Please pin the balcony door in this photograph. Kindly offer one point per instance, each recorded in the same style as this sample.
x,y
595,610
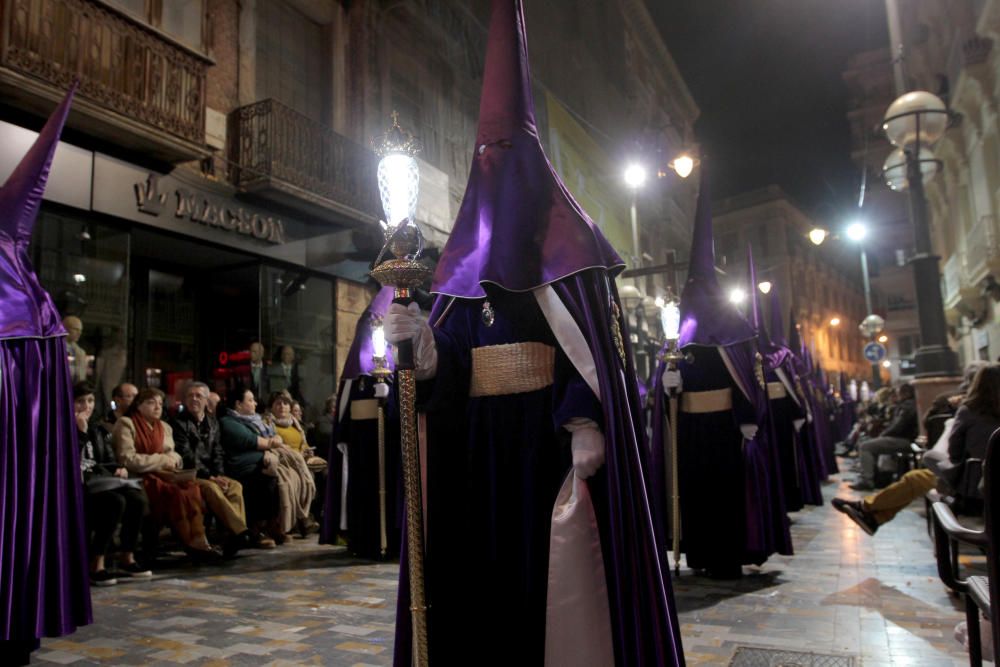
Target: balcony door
x,y
293,58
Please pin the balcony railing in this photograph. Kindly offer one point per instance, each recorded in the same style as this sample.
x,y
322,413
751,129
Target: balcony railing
x,y
284,155
980,249
147,82
951,280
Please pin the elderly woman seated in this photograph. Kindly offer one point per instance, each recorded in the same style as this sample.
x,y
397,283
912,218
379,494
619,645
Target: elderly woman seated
x,y
293,469
144,445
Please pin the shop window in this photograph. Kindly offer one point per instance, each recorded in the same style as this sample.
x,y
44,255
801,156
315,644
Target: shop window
x,y
181,19
84,266
299,337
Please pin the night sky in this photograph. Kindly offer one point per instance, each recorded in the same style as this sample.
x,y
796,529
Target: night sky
x,y
766,75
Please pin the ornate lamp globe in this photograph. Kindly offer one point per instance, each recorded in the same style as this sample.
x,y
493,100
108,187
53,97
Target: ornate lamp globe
x,y
398,174
917,108
894,169
670,320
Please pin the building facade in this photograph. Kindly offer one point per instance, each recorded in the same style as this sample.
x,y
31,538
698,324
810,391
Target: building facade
x,y
215,184
822,285
950,50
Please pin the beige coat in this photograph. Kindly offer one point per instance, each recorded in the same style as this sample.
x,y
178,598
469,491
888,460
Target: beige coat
x,y
123,440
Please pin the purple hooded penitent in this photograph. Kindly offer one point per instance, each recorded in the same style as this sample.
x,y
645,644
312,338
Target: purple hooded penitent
x,y
518,226
707,316
44,590
496,461
351,505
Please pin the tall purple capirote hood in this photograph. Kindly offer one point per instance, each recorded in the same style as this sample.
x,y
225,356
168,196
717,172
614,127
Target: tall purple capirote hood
x,y
707,316
21,194
26,309
518,226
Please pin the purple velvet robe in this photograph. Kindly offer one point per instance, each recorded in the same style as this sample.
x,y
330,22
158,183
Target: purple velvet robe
x,y
44,590
495,465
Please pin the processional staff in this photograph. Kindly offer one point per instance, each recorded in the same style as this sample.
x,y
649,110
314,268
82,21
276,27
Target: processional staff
x,y
398,184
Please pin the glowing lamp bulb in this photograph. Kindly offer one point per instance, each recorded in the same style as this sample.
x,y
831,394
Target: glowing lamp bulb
x,y
398,186
886,364
856,231
764,286
817,235
737,295
670,319
883,339
683,165
835,322
378,341
635,176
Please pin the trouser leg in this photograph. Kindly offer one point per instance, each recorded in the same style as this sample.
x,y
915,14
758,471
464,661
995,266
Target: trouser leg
x,y
136,509
105,511
220,503
872,449
885,504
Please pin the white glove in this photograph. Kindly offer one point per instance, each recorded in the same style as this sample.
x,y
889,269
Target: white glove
x,y
405,323
671,380
381,390
797,423
748,431
587,446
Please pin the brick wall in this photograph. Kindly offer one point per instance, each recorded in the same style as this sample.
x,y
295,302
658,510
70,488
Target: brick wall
x,y
222,86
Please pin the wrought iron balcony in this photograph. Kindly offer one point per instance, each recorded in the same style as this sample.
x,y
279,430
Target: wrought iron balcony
x,y
138,88
285,156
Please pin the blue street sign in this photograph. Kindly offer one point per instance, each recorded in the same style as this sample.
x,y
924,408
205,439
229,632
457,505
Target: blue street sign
x,y
875,352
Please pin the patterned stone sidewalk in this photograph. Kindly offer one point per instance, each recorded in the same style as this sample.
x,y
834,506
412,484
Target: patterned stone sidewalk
x,y
877,600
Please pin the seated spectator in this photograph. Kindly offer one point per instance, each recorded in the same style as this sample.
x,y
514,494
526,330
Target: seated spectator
x,y
938,431
296,484
121,398
250,459
196,435
975,421
111,499
323,437
144,444
291,430
894,438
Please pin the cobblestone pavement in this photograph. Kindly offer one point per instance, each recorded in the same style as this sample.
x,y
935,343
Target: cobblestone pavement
x,y
874,598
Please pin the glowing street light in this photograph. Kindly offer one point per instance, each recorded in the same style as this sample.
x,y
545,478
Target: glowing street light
x,y
834,321
683,164
857,231
817,235
737,295
886,364
764,286
635,175
883,339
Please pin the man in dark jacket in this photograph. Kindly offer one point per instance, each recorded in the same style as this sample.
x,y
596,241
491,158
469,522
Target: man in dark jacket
x,y
895,438
196,437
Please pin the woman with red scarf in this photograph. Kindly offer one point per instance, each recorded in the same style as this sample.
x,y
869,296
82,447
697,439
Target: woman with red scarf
x,y
144,444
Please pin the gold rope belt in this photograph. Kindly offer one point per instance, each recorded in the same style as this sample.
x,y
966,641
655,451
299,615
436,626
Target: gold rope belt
x,y
498,370
364,408
776,390
716,400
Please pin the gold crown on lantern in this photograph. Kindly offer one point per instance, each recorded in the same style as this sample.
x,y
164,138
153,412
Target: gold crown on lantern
x,y
396,140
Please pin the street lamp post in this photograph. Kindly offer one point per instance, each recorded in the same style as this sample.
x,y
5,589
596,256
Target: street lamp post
x,y
857,232
635,177
913,123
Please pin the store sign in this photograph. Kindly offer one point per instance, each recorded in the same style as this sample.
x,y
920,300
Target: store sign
x,y
205,209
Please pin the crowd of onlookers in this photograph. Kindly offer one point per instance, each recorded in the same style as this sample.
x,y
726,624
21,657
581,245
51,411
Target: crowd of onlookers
x,y
251,472
957,427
